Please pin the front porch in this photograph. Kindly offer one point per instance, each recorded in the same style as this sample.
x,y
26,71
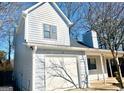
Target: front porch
x,y
96,67
100,66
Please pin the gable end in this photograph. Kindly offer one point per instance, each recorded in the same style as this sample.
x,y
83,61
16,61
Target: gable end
x,y
55,7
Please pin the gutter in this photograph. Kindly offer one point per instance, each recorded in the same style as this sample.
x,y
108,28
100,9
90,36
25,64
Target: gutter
x,y
60,47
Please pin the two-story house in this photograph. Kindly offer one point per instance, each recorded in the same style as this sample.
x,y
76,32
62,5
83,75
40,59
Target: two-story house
x,y
47,59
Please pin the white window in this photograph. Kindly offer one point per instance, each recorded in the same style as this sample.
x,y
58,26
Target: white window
x,y
91,63
50,31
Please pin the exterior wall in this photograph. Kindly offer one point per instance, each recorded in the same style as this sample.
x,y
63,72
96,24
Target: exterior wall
x,y
39,70
23,61
83,67
40,64
97,74
46,14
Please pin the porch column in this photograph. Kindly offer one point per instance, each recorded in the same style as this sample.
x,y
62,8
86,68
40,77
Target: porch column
x,y
102,66
110,67
87,71
83,72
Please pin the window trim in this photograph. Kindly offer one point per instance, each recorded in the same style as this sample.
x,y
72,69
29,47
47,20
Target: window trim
x,y
51,32
89,63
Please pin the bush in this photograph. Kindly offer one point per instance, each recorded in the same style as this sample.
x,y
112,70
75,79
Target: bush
x,y
5,73
5,66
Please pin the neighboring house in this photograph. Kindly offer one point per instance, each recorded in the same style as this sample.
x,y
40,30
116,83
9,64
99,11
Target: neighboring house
x,y
44,52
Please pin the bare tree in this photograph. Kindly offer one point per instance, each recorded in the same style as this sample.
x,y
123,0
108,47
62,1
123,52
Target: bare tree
x,y
10,12
74,12
61,71
123,46
55,69
108,21
8,20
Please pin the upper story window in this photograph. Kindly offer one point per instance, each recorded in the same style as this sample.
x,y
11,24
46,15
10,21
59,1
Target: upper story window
x,y
91,63
50,31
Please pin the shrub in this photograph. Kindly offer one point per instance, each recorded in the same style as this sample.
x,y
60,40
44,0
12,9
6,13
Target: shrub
x,y
6,66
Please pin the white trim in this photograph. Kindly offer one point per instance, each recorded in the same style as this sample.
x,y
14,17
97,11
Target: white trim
x,y
61,55
59,10
59,47
44,72
87,70
33,68
102,65
65,55
93,59
31,8
109,62
68,22
79,72
48,46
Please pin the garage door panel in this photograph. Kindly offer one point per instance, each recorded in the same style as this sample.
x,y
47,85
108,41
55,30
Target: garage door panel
x,y
58,69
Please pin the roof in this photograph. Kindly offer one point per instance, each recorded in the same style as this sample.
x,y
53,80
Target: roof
x,y
75,43
66,48
56,8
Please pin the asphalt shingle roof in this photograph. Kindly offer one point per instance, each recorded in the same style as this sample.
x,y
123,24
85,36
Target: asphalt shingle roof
x,y
75,43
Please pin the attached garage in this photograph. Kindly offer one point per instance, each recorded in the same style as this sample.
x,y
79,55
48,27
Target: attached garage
x,y
59,71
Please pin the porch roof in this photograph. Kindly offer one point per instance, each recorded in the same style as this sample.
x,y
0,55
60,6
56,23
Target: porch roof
x,y
88,51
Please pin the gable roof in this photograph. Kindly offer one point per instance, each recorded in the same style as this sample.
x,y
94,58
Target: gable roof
x,y
55,7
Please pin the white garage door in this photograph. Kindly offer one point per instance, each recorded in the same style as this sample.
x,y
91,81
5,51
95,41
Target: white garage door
x,y
61,72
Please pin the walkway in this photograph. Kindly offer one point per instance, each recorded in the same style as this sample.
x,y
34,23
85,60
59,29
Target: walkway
x,y
110,84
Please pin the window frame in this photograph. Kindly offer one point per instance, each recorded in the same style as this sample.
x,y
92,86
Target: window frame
x,y
92,65
52,33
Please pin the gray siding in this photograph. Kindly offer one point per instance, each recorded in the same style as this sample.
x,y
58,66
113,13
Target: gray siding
x,y
23,60
46,14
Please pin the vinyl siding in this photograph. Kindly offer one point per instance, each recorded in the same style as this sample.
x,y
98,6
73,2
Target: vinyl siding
x,y
45,14
39,79
23,60
97,74
83,71
40,63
